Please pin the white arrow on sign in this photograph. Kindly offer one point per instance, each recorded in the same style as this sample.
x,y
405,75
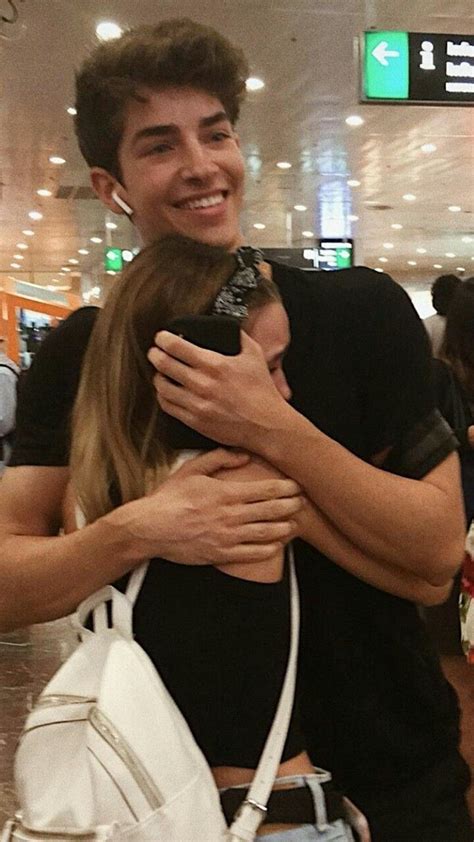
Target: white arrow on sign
x,y
381,53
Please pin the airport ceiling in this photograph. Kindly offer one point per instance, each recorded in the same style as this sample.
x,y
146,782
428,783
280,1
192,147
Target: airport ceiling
x,y
304,50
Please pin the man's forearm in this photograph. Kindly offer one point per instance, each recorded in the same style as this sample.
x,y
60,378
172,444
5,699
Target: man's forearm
x,y
409,524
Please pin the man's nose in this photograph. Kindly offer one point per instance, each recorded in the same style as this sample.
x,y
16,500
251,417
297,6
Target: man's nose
x,y
198,163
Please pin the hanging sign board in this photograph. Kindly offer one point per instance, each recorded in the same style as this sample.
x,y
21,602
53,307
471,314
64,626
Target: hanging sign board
x,y
417,68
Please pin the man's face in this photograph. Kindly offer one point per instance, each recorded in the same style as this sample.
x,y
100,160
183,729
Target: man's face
x,y
181,166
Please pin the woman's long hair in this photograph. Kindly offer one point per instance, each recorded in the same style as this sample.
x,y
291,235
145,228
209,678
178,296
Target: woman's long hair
x,y
458,345
118,450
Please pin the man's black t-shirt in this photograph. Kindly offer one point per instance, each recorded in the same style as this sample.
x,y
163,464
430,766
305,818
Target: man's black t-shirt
x,y
377,710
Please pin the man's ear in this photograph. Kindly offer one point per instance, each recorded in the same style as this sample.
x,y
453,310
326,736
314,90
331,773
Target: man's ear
x,y
109,191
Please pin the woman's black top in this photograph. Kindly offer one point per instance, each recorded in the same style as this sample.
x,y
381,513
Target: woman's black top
x,y
375,707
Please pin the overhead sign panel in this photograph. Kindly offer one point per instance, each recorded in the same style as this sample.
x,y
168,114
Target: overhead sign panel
x,y
417,68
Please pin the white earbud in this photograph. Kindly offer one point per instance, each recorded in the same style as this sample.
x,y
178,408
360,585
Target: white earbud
x,y
121,203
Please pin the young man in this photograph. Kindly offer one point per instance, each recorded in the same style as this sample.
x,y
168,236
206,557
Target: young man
x,y
155,122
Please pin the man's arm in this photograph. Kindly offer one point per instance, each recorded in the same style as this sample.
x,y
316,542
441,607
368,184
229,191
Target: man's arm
x,y
191,518
414,525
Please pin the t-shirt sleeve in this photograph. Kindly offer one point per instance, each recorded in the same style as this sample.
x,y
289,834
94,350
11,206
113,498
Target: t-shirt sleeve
x,y
393,355
47,393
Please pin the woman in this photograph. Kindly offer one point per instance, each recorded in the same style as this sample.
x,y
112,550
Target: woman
x,y
211,631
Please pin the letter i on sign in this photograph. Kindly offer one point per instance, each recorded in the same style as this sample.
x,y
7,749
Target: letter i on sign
x,y
426,54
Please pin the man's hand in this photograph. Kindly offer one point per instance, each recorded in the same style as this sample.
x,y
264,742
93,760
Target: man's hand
x,y
232,400
194,518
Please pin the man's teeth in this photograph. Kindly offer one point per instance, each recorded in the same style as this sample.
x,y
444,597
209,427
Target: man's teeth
x,y
206,202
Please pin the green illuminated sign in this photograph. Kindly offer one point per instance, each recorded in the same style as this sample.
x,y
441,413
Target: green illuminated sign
x,y
386,65
113,260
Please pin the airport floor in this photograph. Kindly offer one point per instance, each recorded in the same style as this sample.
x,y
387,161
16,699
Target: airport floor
x,y
28,658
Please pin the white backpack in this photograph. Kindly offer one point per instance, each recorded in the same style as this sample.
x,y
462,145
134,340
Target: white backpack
x,y
106,754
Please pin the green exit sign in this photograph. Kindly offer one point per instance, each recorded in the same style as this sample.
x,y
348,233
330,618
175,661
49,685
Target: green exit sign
x,y
423,68
113,260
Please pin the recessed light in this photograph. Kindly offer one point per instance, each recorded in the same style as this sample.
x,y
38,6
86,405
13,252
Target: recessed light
x,y
253,83
107,30
409,197
96,240
428,147
353,183
396,226
284,165
61,274
28,232
411,262
72,111
383,259
82,251
353,218
56,159
111,272
259,225
460,269
454,208
450,254
437,265
378,269
300,207
466,239
22,246
387,245
36,215
15,265
66,269
307,234
43,191
73,261
421,251
354,120
127,255
112,226
18,256
472,258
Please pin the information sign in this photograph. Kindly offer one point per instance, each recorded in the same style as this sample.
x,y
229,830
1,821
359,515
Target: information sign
x,y
417,68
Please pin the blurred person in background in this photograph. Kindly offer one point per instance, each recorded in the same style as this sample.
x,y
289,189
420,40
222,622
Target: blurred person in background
x,y
442,291
9,372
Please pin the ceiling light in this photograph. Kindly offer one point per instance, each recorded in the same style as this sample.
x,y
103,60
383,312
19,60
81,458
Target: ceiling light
x,y
383,259
96,240
466,239
437,265
259,225
411,262
28,232
378,269
450,254
15,265
421,251
387,245
307,234
111,272
112,226
22,246
353,218
56,159
454,208
300,207
61,274
66,269
82,251
127,255
428,147
107,30
353,183
72,111
354,120
73,261
36,215
43,191
396,226
284,165
460,269
409,197
18,256
253,83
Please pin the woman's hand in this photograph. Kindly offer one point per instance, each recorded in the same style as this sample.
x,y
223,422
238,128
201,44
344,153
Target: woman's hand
x,y
232,400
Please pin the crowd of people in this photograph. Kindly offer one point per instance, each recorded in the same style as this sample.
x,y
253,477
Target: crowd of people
x,y
359,470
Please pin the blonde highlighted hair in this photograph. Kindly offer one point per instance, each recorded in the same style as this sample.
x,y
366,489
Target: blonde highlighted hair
x,y
118,450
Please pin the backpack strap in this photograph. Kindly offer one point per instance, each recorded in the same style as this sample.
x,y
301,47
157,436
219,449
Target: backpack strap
x,y
5,365
252,811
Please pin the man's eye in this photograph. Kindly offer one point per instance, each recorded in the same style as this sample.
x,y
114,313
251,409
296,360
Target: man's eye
x,y
159,149
220,135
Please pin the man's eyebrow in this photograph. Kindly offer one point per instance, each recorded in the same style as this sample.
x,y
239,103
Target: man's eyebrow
x,y
164,129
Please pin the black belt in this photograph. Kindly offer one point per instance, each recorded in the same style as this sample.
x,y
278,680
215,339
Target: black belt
x,y
288,806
